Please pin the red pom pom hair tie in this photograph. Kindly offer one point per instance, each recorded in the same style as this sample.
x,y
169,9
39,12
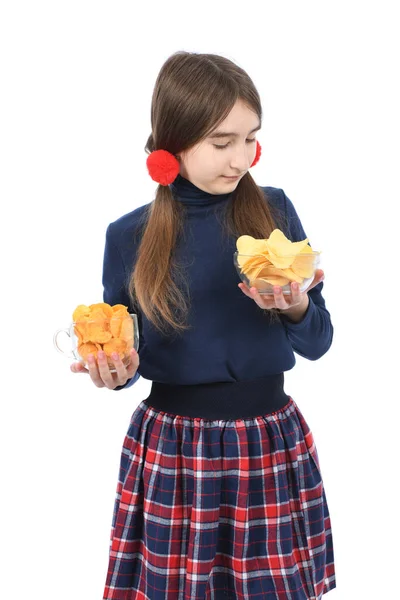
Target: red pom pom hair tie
x,y
258,154
164,167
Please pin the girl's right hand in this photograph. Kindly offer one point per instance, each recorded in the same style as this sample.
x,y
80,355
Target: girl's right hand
x,y
100,371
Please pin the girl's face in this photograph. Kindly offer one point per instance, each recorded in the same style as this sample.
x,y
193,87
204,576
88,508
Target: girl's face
x,y
208,166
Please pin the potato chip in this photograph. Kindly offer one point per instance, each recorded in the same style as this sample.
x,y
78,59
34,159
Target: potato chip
x,y
281,246
303,264
115,345
82,311
78,334
100,312
80,329
127,331
291,275
101,307
274,280
88,348
120,308
249,262
99,331
246,244
115,326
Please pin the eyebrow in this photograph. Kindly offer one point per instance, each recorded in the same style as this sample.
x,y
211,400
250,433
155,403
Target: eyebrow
x,y
220,134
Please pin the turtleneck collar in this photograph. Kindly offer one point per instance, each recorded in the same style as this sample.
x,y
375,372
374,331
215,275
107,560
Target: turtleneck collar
x,y
189,194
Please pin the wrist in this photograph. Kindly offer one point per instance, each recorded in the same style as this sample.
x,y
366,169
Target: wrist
x,y
296,313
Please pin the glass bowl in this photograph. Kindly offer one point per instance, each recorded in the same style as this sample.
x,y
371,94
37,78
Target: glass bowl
x,y
264,287
111,334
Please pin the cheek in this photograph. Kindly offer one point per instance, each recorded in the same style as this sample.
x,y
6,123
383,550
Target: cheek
x,y
213,163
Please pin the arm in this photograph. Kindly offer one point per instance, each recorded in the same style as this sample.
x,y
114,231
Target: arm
x,y
311,336
114,286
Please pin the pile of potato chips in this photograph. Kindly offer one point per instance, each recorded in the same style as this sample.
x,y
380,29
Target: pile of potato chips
x,y
103,327
276,260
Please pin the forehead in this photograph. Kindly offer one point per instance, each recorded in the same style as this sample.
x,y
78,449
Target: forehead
x,y
240,120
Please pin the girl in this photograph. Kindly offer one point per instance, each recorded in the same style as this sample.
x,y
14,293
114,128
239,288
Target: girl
x,y
220,493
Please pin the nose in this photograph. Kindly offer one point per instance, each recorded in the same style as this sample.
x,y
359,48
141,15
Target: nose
x,y
240,159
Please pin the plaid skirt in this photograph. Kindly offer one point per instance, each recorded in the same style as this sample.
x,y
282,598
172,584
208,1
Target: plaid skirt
x,y
210,509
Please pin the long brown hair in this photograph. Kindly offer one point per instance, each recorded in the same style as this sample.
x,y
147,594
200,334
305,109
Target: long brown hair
x,y
181,116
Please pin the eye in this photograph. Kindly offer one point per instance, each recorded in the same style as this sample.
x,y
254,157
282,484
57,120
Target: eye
x,y
226,145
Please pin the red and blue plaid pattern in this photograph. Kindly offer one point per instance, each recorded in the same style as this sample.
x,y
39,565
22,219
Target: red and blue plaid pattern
x,y
220,509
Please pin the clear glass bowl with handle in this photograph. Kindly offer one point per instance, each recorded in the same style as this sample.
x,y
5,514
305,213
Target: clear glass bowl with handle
x,y
111,334
304,267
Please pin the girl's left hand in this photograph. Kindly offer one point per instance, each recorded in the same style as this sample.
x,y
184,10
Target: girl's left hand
x,y
278,299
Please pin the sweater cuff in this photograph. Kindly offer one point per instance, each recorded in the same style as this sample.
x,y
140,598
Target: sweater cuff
x,y
128,382
307,317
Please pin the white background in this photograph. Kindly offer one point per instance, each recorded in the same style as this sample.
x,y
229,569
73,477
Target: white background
x,y
77,80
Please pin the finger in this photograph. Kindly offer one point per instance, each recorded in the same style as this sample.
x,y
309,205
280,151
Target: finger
x,y
245,290
104,370
318,277
78,368
263,301
296,294
119,367
133,364
280,301
124,371
94,371
251,292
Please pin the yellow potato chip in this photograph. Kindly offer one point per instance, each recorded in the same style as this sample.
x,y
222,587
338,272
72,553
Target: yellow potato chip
x,y
270,271
120,308
80,329
303,264
275,280
101,307
115,345
88,348
127,332
78,335
81,312
115,325
249,262
291,275
280,245
98,331
246,244
281,262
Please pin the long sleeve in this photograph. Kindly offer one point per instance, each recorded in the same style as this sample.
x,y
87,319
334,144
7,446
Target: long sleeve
x,y
312,336
114,286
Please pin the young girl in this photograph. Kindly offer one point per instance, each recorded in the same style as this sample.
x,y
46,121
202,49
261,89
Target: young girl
x,y
220,493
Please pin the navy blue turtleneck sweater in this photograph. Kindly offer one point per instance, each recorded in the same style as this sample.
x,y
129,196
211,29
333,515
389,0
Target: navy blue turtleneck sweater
x,y
230,338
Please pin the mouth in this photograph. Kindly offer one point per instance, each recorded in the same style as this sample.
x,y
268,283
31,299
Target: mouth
x,y
234,178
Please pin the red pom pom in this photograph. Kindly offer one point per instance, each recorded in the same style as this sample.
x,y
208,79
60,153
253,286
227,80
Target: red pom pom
x,y
258,154
162,166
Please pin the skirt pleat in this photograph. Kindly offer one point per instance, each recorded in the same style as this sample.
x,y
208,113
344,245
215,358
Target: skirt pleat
x,y
220,509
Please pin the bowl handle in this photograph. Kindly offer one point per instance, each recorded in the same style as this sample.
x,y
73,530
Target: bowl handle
x,y
55,342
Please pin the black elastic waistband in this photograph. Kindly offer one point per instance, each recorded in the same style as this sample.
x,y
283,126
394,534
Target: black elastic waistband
x,y
222,399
